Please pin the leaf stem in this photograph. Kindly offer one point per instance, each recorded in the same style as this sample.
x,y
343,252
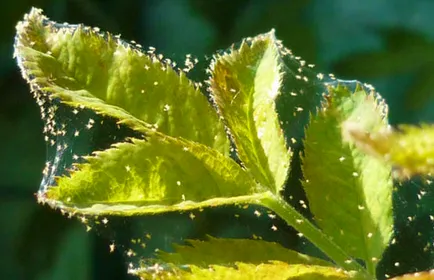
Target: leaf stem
x,y
313,233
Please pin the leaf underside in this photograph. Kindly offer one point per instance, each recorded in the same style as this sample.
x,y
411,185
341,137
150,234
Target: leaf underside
x,y
244,85
84,67
349,192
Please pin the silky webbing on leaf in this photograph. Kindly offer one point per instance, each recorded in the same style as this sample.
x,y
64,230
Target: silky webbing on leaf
x,y
349,192
84,67
244,85
158,174
302,90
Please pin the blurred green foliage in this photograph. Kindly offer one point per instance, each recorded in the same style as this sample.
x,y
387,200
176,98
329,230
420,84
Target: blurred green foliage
x,y
388,43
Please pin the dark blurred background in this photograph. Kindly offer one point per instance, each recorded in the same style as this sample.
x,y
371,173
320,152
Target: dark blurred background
x,y
388,43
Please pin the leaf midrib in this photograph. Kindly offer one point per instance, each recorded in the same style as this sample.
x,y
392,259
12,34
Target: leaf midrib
x,y
265,172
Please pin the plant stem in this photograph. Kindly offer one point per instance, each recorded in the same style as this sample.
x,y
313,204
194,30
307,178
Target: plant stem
x,y
314,234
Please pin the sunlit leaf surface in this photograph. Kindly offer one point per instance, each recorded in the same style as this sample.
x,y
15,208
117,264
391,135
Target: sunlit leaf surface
x,y
349,192
268,271
158,174
240,259
84,67
245,84
226,251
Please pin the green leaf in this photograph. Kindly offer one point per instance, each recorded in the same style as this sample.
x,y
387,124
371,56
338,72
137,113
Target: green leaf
x,y
85,67
245,84
155,175
228,251
409,148
274,270
349,192
239,259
